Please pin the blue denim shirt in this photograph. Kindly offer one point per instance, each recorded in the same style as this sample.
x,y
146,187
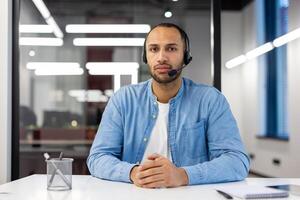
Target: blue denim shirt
x,y
202,134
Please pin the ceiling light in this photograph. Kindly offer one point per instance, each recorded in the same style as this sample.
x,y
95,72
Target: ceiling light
x,y
35,28
168,14
112,68
58,71
89,98
56,30
116,69
42,8
49,65
31,53
287,38
88,95
108,28
40,41
108,41
48,18
259,50
284,39
236,61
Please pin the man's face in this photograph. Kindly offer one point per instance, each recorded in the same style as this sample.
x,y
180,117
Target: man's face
x,y
164,50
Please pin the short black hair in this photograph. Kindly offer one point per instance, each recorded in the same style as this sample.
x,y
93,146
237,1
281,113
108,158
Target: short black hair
x,y
183,34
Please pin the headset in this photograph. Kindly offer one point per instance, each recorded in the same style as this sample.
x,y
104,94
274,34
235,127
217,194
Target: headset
x,y
187,57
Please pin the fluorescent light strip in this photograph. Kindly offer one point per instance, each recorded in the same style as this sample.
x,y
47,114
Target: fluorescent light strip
x,y
56,30
111,72
101,98
236,61
88,95
249,55
259,50
77,93
48,18
108,28
42,8
287,38
35,28
49,65
115,68
58,71
40,41
112,68
115,65
284,39
108,41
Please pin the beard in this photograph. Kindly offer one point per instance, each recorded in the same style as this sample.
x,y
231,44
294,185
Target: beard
x,y
164,80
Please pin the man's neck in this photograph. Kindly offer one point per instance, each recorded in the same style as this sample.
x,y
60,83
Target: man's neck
x,y
165,91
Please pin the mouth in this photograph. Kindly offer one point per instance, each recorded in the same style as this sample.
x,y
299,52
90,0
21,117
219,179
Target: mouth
x,y
162,69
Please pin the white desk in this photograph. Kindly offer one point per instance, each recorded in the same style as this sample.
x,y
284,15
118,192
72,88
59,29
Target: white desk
x,y
90,188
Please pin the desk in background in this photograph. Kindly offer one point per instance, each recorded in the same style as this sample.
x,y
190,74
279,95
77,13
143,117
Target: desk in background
x,y
89,188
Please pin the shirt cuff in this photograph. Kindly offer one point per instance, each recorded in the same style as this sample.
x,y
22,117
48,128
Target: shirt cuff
x,y
194,176
125,172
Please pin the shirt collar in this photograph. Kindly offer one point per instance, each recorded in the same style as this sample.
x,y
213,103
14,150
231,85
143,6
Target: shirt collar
x,y
178,95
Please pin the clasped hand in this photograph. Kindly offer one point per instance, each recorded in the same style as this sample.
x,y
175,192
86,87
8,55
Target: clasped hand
x,y
158,172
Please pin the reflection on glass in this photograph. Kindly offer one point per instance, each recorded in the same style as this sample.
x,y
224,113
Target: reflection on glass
x,y
73,56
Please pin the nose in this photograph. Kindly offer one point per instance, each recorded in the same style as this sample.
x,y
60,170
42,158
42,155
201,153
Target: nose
x,y
162,56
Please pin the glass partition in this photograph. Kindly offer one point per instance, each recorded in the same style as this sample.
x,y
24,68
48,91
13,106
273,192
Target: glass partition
x,y
75,54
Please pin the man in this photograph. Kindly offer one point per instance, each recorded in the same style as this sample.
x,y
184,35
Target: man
x,y
168,131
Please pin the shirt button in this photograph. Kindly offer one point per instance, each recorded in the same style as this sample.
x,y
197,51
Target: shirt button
x,y
154,103
154,116
145,139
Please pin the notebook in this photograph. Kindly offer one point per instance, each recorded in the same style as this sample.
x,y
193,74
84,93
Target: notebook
x,y
252,191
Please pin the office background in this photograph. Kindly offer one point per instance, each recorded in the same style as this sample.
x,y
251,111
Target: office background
x,y
53,118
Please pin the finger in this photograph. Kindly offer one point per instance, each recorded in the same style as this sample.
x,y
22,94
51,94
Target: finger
x,y
136,183
153,156
157,184
149,172
151,179
150,164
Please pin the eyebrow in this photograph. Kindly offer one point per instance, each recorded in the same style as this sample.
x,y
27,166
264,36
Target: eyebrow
x,y
170,44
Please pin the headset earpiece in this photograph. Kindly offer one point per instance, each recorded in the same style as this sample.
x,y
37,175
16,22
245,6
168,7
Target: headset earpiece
x,y
144,56
187,57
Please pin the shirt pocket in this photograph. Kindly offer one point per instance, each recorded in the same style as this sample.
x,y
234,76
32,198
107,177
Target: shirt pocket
x,y
195,145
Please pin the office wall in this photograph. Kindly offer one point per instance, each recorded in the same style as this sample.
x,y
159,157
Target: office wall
x,y
241,87
197,26
5,89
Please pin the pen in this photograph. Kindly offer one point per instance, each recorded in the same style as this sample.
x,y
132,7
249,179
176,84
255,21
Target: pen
x,y
224,194
54,172
47,157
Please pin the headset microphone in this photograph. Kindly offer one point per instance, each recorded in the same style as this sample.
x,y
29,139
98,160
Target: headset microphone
x,y
173,72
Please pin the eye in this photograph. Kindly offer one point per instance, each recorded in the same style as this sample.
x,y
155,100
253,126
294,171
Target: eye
x,y
153,49
172,49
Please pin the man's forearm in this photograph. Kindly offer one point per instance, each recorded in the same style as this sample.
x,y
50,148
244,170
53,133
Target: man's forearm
x,y
109,167
227,167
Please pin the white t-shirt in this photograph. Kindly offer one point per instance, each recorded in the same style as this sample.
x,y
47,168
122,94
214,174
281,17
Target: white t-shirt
x,y
158,142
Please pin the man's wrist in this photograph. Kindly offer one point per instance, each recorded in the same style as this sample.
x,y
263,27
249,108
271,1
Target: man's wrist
x,y
184,177
132,173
